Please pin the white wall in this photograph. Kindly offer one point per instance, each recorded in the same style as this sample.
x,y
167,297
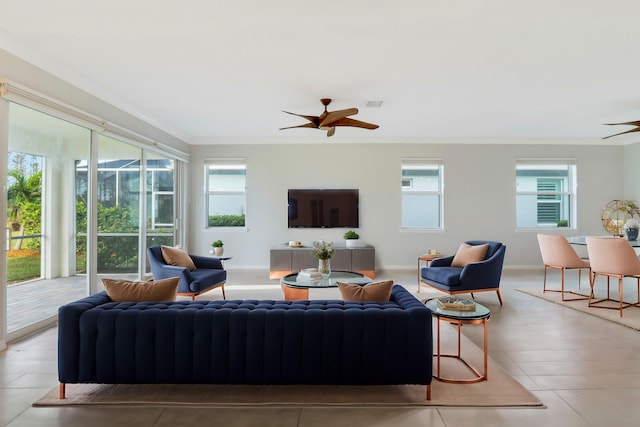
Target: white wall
x,y
19,71
479,196
632,172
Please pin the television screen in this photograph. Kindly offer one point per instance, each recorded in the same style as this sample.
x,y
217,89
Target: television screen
x,y
323,208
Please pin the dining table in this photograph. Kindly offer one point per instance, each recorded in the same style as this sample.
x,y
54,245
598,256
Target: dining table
x,y
582,240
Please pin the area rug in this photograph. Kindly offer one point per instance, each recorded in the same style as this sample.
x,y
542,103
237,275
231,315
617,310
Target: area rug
x,y
630,316
500,390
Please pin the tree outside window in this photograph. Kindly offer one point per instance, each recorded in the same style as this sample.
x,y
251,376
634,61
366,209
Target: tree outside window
x,y
24,194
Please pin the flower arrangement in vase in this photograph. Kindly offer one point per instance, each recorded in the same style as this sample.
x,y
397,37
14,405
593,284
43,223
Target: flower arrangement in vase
x,y
323,251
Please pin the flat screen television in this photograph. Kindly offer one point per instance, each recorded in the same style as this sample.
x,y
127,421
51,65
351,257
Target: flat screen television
x,y
323,208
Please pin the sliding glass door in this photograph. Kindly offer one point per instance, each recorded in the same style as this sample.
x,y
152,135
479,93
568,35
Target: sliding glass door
x,y
160,201
81,205
41,254
119,197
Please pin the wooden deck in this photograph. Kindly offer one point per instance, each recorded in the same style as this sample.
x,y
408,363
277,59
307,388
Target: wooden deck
x,y
37,300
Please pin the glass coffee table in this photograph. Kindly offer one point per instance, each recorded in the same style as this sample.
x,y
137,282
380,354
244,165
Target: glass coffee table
x,y
479,316
297,288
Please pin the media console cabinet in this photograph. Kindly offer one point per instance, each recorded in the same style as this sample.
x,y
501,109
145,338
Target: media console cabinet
x,y
285,260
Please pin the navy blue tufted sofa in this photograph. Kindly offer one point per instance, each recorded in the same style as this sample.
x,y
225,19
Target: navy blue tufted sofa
x,y
245,342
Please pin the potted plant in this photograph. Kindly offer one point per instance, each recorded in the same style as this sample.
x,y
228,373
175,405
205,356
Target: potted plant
x,y
323,251
218,247
632,226
351,238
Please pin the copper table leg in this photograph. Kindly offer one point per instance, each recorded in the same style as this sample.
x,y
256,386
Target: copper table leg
x,y
477,375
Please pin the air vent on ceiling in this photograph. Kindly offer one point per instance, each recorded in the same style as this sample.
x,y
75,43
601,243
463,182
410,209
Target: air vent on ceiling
x,y
374,104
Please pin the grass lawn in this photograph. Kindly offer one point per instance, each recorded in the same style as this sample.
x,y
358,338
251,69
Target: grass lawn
x,y
22,265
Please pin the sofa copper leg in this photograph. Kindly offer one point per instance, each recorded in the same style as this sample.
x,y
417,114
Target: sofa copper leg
x,y
428,391
63,391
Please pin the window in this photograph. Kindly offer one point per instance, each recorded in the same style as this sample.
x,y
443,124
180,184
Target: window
x,y
422,193
226,195
545,193
160,196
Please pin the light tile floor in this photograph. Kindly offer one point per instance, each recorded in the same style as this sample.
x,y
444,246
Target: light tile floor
x,y
586,371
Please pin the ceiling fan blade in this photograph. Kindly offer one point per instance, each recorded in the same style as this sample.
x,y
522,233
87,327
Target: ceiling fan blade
x,y
337,115
622,133
354,123
331,131
306,125
312,119
636,123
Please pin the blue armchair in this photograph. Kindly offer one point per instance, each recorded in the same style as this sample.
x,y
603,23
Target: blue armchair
x,y
474,277
209,273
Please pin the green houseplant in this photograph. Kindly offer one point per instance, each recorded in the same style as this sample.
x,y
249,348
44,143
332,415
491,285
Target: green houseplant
x,y
218,247
351,238
351,235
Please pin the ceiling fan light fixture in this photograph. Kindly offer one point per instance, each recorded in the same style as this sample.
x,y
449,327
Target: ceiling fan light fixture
x,y
328,120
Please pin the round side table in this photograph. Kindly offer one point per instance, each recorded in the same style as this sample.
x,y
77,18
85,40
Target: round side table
x,y
479,316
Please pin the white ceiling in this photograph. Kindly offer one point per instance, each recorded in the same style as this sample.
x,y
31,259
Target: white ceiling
x,y
210,71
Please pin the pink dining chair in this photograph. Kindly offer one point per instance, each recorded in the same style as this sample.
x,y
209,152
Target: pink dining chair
x,y
612,257
557,253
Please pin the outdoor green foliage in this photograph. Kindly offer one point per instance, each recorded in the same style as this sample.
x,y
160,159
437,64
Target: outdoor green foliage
x,y
115,253
31,223
23,190
563,223
24,205
226,220
31,213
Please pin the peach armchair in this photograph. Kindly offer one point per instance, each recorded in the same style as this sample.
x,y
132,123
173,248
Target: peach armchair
x,y
557,253
612,257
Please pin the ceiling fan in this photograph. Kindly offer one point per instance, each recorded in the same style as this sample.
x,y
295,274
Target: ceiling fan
x,y
329,120
636,129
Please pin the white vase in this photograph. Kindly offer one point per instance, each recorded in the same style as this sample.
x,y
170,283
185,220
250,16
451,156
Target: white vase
x,y
324,268
352,243
218,251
